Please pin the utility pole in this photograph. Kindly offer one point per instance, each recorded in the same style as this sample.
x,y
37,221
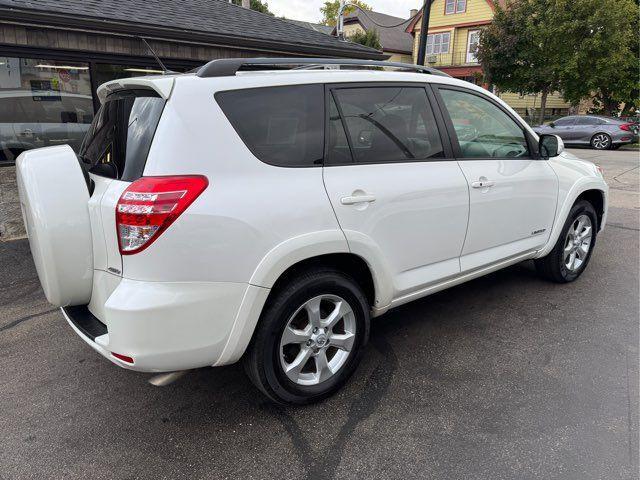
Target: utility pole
x,y
340,21
424,32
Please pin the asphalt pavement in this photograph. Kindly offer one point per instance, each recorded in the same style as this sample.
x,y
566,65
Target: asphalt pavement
x,y
505,377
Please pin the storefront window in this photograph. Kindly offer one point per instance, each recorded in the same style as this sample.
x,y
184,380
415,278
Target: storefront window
x,y
42,103
105,73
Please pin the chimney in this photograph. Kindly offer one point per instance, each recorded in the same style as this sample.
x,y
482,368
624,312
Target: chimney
x,y
246,4
413,12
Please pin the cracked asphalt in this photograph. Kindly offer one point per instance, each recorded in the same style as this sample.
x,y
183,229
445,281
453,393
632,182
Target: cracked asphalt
x,y
505,377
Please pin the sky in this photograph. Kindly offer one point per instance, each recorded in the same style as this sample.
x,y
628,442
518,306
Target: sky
x,y
309,10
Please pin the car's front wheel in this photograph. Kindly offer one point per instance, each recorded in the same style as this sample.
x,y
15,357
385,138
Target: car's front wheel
x,y
309,338
601,141
572,251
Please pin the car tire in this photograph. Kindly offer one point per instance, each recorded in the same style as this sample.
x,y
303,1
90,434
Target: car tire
x,y
293,357
569,257
601,141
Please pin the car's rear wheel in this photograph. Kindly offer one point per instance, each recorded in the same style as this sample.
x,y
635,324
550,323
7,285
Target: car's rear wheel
x,y
310,337
572,251
601,141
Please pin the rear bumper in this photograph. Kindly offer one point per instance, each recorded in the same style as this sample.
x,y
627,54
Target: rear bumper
x,y
84,322
625,139
166,326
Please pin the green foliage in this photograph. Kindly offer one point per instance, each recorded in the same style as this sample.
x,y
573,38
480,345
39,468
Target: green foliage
x,y
256,5
519,49
330,9
580,48
602,57
370,38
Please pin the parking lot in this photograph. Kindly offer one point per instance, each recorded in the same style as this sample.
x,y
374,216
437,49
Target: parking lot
x,y
505,377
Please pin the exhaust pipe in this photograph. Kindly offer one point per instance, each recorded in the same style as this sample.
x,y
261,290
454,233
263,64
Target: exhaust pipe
x,y
164,379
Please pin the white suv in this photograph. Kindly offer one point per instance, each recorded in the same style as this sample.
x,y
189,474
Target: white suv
x,y
267,215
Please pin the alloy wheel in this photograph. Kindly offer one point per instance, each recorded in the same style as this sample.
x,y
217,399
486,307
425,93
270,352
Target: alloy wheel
x,y
601,141
317,340
577,243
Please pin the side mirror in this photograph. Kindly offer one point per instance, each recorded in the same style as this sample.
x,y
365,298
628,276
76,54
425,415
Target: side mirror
x,y
552,125
550,146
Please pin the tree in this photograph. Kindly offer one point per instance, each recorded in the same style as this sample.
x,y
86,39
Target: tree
x,y
522,50
370,38
330,10
603,59
585,49
256,5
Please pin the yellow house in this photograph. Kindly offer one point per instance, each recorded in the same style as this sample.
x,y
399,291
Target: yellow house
x,y
454,33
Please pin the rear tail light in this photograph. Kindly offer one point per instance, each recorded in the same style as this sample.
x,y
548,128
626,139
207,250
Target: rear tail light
x,y
626,127
149,205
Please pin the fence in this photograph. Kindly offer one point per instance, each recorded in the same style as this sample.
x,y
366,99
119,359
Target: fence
x,y
450,59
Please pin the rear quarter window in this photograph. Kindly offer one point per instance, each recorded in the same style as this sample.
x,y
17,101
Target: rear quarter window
x,y
282,126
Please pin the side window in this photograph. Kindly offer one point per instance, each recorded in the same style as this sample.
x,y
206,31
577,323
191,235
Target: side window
x,y
282,126
11,110
586,121
564,122
438,43
483,129
387,124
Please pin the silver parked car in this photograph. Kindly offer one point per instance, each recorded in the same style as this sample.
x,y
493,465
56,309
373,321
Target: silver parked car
x,y
599,132
40,118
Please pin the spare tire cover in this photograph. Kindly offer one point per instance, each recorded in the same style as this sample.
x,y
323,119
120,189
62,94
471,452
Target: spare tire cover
x,y
53,197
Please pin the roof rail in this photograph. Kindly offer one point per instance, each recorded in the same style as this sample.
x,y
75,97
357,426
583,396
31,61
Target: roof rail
x,y
227,67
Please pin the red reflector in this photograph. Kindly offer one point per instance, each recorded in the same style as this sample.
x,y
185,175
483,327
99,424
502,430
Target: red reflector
x,y
124,358
150,204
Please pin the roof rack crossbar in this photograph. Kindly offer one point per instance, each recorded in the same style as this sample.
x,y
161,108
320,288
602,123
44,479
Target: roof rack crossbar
x,y
228,67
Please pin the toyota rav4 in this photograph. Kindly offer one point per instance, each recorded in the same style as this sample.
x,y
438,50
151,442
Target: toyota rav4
x,y
250,212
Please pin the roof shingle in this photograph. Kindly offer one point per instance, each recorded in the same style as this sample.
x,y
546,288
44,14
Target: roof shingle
x,y
395,39
199,16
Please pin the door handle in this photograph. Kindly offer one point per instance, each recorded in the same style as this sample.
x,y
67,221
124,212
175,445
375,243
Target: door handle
x,y
483,184
354,199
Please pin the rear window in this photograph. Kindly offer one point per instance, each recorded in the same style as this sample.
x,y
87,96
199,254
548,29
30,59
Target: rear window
x,y
118,141
282,126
